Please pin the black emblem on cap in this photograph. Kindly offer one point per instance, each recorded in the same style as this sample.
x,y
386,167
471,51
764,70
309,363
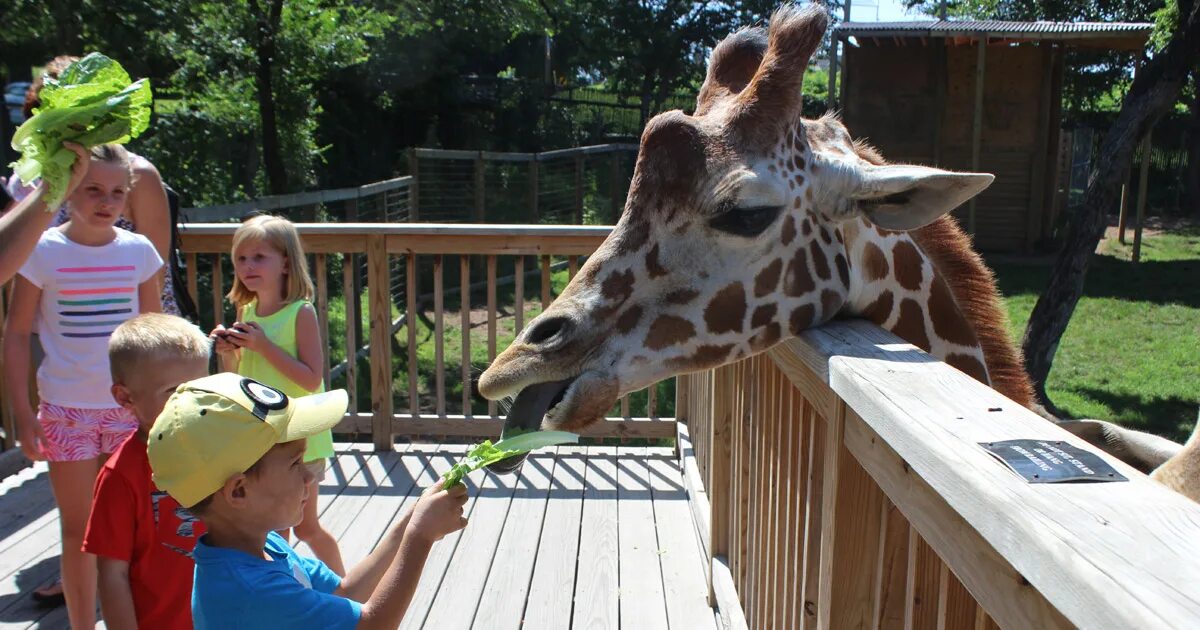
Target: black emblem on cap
x,y
264,397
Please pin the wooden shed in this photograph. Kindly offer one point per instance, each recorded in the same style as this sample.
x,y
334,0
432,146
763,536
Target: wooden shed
x,y
973,95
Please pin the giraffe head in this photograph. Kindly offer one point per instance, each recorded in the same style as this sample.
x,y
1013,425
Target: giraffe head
x,y
730,241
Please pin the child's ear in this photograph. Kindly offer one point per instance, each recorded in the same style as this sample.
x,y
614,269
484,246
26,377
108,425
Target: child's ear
x,y
120,393
234,490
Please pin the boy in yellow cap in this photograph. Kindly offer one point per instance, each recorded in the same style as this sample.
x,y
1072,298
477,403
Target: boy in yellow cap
x,y
231,450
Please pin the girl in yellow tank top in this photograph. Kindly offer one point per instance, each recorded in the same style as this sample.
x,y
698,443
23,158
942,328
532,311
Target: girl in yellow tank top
x,y
277,341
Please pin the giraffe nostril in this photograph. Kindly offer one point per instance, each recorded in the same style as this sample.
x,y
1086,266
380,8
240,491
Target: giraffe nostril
x,y
547,329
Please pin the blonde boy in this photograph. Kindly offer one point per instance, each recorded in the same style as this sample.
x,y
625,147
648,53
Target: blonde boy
x,y
142,537
231,449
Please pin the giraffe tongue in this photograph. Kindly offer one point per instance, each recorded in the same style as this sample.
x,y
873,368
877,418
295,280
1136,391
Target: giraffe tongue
x,y
526,415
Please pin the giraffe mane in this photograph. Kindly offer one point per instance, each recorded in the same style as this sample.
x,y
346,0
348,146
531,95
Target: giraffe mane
x,y
974,288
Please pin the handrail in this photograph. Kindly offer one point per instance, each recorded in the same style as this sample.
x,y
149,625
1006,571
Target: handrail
x,y
845,487
422,251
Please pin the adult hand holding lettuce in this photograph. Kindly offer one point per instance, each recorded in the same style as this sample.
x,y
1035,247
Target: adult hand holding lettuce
x,y
92,102
21,227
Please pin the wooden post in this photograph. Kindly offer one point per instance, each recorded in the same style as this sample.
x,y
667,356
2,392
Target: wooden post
x,y
977,125
719,465
1143,182
831,96
320,266
218,291
378,285
192,280
534,166
579,188
1124,215
850,504
464,313
1041,161
414,189
355,277
414,395
480,182
348,275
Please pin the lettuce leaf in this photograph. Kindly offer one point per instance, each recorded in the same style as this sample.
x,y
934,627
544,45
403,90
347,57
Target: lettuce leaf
x,y
92,102
486,453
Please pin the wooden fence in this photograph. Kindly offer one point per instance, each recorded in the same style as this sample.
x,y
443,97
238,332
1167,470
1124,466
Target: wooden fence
x,y
403,248
838,482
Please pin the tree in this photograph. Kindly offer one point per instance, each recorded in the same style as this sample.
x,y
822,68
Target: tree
x,y
1153,93
270,53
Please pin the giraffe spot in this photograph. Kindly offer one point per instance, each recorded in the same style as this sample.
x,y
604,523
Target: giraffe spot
x,y
837,235
798,280
652,266
618,286
683,227
808,194
796,204
875,263
879,310
771,169
629,319
949,323
968,365
839,261
705,356
799,179
806,227
767,280
681,296
831,302
819,261
800,160
727,310
668,330
791,184
911,325
907,260
763,315
789,228
825,236
802,319
766,337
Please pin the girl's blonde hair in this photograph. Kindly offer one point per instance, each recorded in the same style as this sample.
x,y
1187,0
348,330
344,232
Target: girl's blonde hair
x,y
281,234
113,154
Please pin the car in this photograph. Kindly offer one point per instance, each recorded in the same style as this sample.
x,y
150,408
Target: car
x,y
14,101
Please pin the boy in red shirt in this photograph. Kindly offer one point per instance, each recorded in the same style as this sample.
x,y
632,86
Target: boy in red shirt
x,y
143,538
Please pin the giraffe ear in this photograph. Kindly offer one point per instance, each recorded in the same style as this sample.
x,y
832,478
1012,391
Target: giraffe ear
x,y
902,197
731,66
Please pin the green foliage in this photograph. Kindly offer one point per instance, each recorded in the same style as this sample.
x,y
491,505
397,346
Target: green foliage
x,y
486,453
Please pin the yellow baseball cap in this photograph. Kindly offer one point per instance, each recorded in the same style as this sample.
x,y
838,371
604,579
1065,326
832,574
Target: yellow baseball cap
x,y
215,427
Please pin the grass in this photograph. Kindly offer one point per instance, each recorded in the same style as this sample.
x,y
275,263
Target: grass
x,y
1131,353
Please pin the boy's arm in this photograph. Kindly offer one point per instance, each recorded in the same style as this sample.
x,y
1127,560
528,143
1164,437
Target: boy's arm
x,y
116,596
361,581
438,512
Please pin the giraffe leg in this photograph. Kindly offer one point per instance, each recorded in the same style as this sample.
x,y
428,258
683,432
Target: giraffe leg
x,y
1143,451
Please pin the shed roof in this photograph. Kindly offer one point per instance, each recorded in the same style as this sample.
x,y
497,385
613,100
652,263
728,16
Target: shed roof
x,y
1117,35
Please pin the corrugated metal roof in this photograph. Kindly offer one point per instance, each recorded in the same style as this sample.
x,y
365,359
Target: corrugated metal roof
x,y
997,28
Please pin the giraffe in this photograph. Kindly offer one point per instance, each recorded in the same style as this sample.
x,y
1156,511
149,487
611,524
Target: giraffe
x,y
746,224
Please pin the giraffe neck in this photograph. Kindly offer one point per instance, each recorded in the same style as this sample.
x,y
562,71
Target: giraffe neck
x,y
895,284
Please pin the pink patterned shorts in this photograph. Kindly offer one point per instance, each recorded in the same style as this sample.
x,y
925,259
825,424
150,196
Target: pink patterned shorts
x,y
74,434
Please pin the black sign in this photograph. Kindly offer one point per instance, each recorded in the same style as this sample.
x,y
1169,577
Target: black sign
x,y
1048,461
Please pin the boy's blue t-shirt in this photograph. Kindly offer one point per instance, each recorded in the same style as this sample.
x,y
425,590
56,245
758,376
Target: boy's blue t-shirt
x,y
233,589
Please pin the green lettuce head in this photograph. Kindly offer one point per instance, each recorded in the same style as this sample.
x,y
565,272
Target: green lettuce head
x,y
92,102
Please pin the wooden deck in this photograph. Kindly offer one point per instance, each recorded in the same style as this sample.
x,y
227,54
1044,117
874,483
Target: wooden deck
x,y
585,537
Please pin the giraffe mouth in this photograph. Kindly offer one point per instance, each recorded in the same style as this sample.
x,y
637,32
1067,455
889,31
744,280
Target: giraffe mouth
x,y
528,412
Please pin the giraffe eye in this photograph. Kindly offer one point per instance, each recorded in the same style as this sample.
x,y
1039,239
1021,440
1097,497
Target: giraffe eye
x,y
748,222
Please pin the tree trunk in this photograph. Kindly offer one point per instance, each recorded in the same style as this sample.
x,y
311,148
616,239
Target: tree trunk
x,y
1153,93
266,29
1191,178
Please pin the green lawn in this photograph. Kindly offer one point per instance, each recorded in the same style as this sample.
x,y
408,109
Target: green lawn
x,y
1132,350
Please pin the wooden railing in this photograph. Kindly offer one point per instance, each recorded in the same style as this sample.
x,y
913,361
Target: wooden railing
x,y
838,482
403,249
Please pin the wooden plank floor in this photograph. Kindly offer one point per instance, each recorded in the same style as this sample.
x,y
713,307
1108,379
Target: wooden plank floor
x,y
584,537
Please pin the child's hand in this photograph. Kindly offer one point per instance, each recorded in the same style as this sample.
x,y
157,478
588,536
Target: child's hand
x,y
438,512
221,342
248,335
30,435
